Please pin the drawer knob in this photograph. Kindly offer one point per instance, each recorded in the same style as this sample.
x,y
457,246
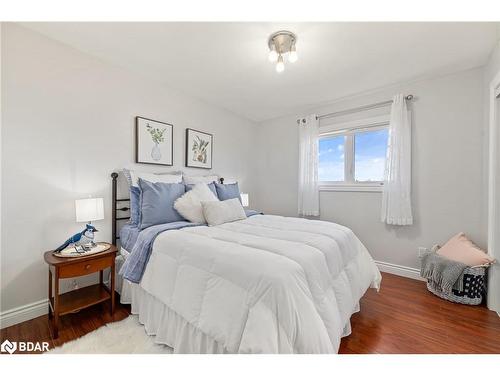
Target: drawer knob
x,y
87,266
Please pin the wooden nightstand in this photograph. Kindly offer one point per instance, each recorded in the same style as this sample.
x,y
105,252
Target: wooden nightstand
x,y
62,268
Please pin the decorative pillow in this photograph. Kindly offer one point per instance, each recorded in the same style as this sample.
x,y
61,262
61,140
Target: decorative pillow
x,y
229,180
157,202
135,205
192,180
460,249
220,212
211,186
133,176
189,205
228,191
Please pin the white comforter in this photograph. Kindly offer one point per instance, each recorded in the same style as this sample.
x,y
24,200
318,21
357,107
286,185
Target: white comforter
x,y
266,284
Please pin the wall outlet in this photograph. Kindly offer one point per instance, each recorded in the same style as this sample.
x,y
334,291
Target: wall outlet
x,y
421,251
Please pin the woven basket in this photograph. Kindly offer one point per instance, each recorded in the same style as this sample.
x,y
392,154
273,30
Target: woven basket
x,y
469,292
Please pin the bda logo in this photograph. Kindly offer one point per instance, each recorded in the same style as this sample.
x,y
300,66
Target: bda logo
x,y
8,346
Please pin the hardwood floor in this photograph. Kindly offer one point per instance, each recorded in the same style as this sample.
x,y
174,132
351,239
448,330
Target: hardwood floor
x,y
406,318
71,326
402,318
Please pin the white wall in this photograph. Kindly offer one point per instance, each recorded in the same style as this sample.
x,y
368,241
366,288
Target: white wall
x,y
448,174
490,71
68,122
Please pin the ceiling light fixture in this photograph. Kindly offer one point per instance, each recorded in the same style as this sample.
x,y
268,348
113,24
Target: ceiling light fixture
x,y
282,44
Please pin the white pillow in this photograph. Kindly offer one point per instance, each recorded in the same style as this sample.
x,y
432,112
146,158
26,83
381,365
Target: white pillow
x,y
191,180
133,177
229,180
221,212
189,205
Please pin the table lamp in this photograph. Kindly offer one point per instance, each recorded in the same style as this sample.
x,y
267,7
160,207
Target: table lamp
x,y
88,210
244,199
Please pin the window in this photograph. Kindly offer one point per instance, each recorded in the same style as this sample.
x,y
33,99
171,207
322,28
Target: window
x,y
353,158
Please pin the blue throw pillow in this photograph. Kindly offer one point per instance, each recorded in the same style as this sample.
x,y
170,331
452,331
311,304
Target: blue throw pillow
x,y
227,191
157,202
135,205
211,186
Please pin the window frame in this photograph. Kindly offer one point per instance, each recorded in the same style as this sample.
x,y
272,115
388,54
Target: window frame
x,y
349,130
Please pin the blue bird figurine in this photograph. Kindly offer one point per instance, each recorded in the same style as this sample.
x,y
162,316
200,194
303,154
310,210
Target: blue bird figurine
x,y
81,240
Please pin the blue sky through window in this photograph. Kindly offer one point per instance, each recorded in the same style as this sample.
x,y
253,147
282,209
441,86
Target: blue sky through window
x,y
331,159
369,155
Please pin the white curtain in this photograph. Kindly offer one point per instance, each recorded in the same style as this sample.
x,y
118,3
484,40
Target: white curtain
x,y
308,166
396,197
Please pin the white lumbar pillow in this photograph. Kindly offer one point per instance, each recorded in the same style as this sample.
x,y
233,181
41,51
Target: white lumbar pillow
x,y
189,205
191,180
220,212
133,177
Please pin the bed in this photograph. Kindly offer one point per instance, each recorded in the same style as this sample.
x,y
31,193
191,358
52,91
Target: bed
x,y
264,284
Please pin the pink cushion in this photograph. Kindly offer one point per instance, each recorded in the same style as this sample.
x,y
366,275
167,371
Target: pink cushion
x,y
460,249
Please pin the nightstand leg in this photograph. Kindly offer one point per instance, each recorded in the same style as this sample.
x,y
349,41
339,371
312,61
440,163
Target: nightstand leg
x,y
112,288
56,304
50,294
100,277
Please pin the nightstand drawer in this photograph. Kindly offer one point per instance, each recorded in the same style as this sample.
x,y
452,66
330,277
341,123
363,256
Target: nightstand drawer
x,y
85,268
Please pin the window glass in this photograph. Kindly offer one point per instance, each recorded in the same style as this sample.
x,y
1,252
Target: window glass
x,y
331,159
369,155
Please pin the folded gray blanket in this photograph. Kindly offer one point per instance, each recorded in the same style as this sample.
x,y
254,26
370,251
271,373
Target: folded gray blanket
x,y
441,271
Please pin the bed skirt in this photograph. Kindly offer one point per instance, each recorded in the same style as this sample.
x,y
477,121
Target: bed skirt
x,y
167,326
160,321
171,329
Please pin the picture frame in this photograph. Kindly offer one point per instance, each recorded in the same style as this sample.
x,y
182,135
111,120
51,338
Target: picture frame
x,y
199,149
153,142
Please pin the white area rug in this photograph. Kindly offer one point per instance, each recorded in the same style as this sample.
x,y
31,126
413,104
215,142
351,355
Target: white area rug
x,y
124,337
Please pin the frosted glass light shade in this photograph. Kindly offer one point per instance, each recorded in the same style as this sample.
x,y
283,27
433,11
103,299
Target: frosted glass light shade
x,y
273,55
89,209
280,65
244,200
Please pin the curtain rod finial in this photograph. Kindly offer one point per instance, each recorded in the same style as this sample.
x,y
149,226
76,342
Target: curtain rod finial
x,y
409,97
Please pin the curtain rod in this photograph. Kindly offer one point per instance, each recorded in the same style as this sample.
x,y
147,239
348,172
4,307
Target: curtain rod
x,y
360,109
356,109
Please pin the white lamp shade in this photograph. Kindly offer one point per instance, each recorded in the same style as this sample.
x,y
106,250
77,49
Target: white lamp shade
x,y
244,200
89,209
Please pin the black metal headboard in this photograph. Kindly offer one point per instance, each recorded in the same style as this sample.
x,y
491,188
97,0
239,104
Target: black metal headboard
x,y
115,208
121,205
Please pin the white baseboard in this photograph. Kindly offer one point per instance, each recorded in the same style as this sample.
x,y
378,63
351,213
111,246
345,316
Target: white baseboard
x,y
29,311
23,313
395,269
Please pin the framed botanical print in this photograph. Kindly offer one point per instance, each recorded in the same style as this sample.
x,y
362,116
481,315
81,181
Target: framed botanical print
x,y
153,142
199,147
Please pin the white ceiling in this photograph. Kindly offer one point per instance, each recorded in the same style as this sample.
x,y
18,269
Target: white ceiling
x,y
226,63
